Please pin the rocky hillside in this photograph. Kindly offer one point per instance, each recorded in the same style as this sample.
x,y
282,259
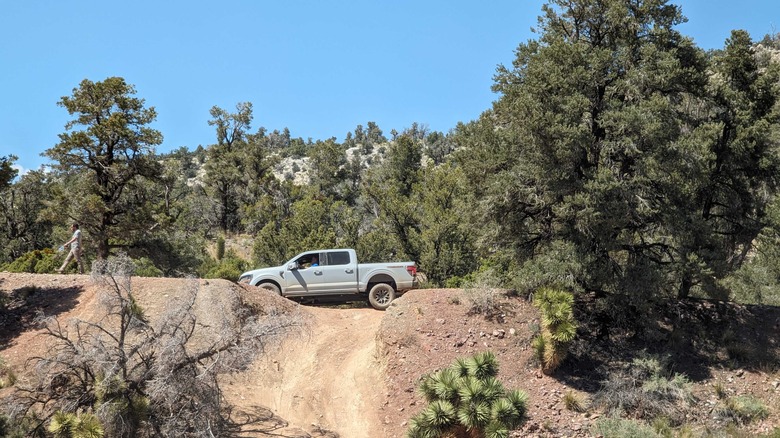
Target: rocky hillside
x,y
351,371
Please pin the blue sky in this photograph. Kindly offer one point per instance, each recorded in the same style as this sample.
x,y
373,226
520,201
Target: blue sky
x,y
318,68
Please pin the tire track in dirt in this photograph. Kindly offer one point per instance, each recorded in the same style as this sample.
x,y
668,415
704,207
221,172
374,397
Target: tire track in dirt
x,y
328,377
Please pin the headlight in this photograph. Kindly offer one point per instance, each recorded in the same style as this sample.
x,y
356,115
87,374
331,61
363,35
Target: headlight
x,y
245,279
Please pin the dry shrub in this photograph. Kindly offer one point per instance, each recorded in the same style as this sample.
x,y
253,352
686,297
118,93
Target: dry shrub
x,y
574,402
483,296
148,378
742,409
620,428
645,390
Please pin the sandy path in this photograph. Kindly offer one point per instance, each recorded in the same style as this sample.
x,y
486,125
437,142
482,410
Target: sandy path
x,y
326,378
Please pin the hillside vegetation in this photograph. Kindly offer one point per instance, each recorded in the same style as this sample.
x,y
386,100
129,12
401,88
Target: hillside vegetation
x,y
620,166
701,369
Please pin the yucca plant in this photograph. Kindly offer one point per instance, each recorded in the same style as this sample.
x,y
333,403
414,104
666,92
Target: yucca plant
x,y
120,409
466,401
558,327
70,425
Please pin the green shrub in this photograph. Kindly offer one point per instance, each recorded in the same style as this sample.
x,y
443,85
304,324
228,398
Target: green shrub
x,y
43,261
20,427
468,397
220,248
743,409
775,433
619,428
144,267
229,268
645,390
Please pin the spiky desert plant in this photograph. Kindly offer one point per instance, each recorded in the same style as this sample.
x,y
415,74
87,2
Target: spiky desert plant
x,y
70,425
558,327
467,400
573,402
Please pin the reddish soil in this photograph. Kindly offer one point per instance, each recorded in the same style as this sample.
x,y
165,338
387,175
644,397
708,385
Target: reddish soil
x,y
353,371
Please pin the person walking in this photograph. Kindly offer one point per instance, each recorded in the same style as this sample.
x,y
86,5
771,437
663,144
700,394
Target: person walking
x,y
75,249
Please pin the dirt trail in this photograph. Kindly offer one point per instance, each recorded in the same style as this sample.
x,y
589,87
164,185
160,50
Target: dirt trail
x,y
326,378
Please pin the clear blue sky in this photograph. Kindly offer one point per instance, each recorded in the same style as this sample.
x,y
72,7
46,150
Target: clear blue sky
x,y
319,68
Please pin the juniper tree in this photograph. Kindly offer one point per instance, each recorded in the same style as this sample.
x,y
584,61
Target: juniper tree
x,y
105,163
616,138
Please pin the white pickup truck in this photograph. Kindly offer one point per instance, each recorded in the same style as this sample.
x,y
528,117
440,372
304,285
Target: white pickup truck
x,y
335,273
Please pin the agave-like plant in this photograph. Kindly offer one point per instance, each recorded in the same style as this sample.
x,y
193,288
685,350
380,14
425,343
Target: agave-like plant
x,y
466,400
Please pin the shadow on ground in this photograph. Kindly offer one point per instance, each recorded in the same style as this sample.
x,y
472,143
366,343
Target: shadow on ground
x,y
260,421
21,307
693,336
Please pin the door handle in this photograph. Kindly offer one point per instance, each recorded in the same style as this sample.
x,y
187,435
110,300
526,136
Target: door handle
x,y
317,272
349,270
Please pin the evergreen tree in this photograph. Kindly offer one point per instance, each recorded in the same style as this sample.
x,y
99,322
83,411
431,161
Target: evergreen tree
x,y
743,161
327,161
7,172
389,188
225,162
306,226
107,164
446,241
374,134
261,193
23,228
609,142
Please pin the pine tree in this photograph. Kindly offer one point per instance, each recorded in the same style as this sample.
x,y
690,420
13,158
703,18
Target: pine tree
x,y
107,166
619,140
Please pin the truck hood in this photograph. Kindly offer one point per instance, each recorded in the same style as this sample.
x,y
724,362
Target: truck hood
x,y
262,272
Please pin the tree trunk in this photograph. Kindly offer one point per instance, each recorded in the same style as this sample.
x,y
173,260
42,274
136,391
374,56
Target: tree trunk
x,y
685,286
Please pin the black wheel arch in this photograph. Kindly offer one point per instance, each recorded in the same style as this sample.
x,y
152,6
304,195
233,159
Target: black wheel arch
x,y
260,283
380,278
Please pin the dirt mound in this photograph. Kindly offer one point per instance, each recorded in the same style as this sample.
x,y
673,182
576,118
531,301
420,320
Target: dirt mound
x,y
353,372
427,330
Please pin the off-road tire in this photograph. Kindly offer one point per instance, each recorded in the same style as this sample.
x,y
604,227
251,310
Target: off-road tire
x,y
381,295
270,286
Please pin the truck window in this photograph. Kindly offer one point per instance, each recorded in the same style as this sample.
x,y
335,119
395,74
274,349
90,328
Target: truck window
x,y
338,258
308,260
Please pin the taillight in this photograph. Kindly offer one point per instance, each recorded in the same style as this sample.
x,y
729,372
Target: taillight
x,y
412,270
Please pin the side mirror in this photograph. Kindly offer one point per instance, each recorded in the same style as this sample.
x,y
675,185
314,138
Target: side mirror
x,y
292,266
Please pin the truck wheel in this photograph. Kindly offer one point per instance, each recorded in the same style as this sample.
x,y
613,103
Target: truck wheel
x,y
272,287
381,295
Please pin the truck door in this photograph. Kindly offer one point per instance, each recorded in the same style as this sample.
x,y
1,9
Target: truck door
x,y
339,272
307,278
